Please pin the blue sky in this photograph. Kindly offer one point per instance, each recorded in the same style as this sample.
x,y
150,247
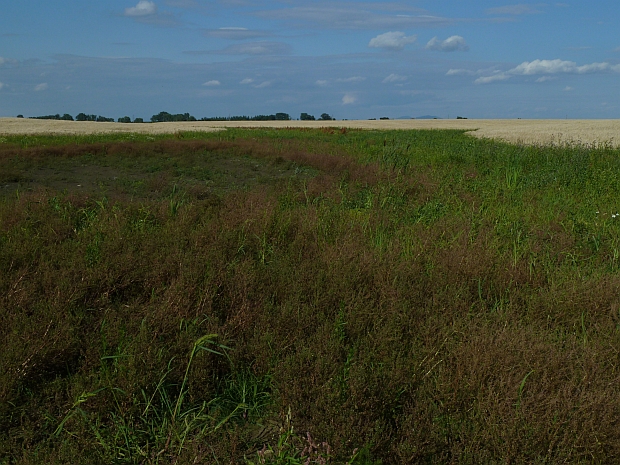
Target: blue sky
x,y
352,59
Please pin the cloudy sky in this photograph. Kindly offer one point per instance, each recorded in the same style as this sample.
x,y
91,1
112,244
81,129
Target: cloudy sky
x,y
353,59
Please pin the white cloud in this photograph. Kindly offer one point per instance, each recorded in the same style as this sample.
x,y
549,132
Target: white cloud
x,y
545,78
7,61
321,82
451,44
520,9
394,78
143,8
263,84
1,85
41,87
568,89
460,72
560,66
494,78
395,40
485,72
212,83
349,99
549,67
247,81
351,79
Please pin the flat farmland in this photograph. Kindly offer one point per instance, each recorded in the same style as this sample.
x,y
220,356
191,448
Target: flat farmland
x,y
271,294
530,132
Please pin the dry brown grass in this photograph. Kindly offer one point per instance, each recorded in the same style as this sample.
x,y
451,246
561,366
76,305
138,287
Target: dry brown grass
x,y
531,132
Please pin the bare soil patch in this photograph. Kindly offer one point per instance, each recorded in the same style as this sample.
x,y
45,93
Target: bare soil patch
x,y
531,132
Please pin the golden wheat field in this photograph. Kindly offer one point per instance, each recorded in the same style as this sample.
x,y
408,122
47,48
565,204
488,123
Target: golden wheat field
x,y
544,132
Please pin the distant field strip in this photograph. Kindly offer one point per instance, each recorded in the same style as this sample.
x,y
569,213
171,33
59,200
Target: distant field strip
x,y
530,132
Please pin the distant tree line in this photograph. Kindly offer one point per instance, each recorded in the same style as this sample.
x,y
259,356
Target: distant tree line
x,y
323,117
99,119
164,116
79,117
65,117
276,117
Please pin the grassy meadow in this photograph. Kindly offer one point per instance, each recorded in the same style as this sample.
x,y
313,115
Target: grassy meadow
x,y
308,296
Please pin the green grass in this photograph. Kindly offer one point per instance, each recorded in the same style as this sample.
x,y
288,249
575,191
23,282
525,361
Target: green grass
x,y
378,297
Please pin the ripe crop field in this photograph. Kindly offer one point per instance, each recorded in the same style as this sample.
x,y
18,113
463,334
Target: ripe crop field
x,y
531,132
308,295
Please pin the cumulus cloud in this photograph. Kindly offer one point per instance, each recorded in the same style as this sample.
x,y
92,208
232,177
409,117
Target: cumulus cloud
x,y
568,89
349,99
394,40
1,85
520,9
394,78
143,8
247,81
451,44
545,78
212,83
263,84
321,82
41,87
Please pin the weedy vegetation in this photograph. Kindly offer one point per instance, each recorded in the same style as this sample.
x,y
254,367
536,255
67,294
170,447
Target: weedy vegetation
x,y
308,297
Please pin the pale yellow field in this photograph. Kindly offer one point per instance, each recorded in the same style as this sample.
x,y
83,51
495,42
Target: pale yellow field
x,y
519,131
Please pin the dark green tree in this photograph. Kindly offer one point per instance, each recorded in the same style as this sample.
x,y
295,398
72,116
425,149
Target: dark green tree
x,y
164,116
85,117
306,117
325,117
124,119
